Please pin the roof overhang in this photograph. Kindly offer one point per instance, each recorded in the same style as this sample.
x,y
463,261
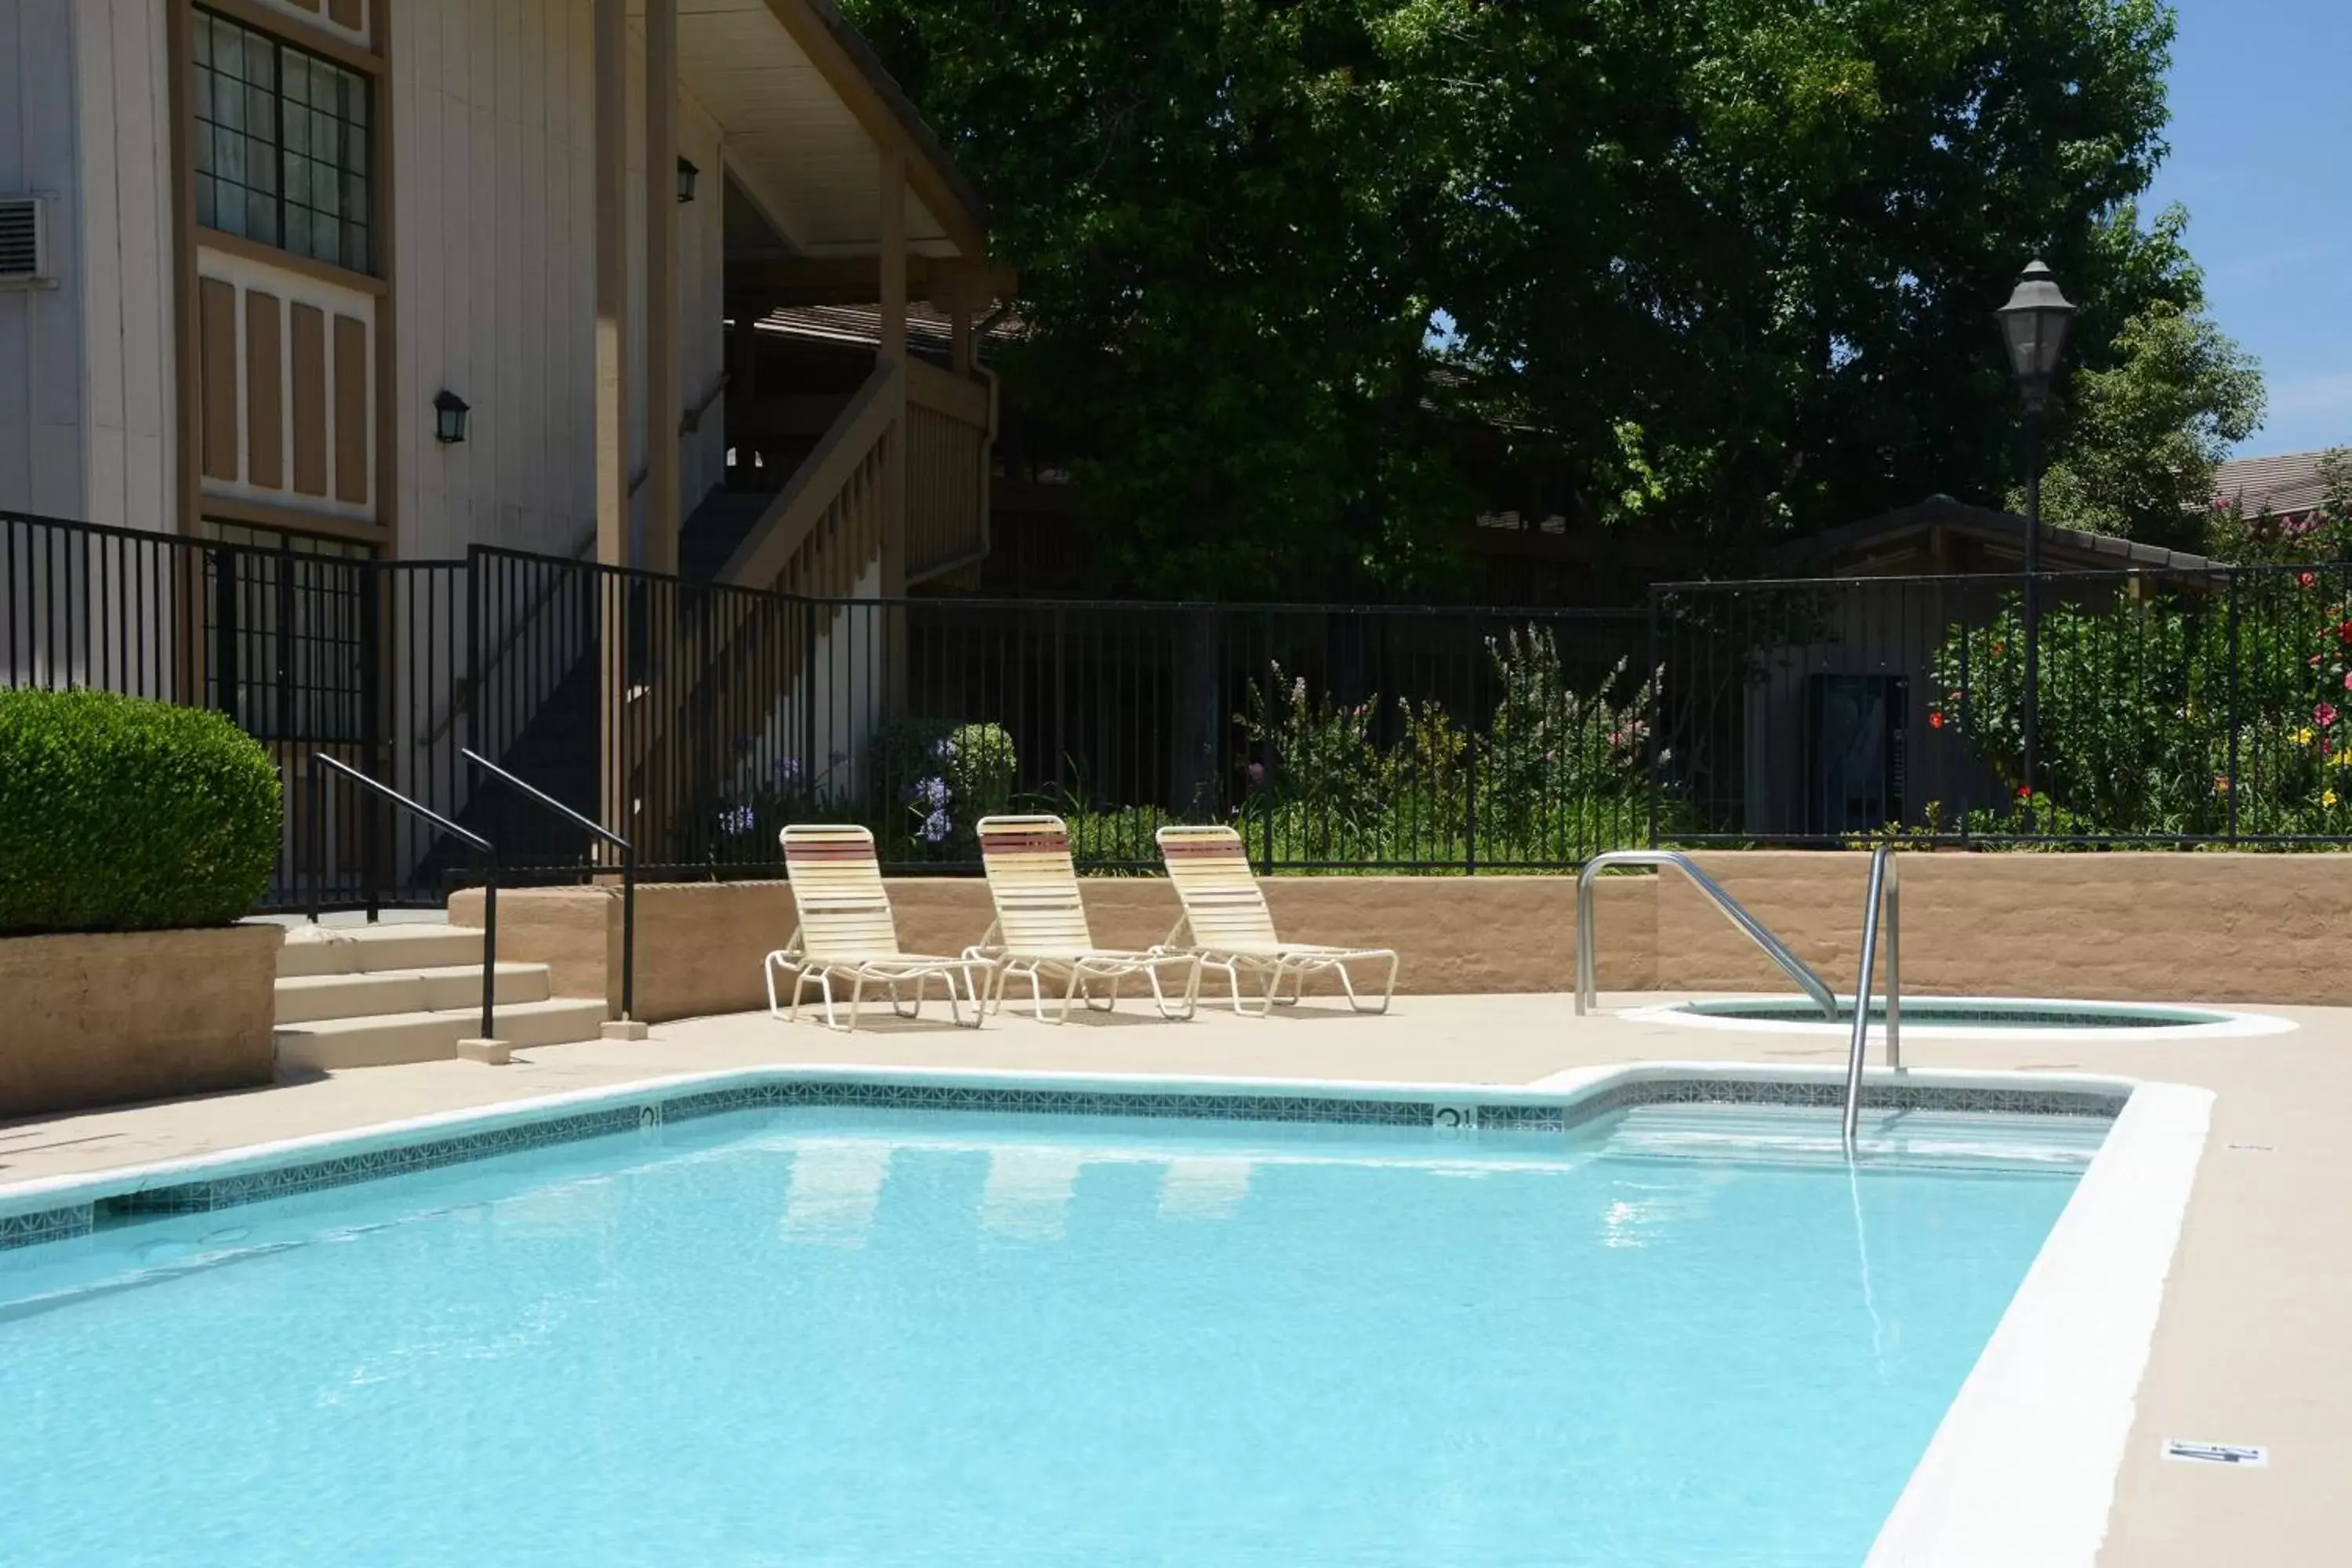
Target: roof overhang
x,y
807,112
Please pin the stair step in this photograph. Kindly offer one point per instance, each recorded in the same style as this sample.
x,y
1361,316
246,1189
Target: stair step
x,y
369,949
310,998
386,1038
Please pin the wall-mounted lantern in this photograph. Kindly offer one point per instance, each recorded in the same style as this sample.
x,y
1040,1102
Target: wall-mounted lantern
x,y
449,412
685,176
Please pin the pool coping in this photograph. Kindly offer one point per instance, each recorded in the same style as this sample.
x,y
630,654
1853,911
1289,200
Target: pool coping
x,y
2021,1470
2215,1023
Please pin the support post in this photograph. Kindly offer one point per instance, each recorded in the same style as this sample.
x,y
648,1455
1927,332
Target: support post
x,y
612,445
663,405
2033,606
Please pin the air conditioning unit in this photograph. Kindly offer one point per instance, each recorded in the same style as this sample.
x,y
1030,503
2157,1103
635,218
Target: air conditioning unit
x,y
24,243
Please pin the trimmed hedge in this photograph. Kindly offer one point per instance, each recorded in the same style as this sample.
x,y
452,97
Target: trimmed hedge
x,y
120,813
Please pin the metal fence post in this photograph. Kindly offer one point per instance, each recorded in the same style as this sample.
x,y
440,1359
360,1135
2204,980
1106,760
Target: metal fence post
x,y
2232,713
371,653
1652,678
1266,744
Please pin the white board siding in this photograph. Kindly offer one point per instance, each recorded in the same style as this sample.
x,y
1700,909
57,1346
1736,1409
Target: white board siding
x,y
43,446
123,81
494,273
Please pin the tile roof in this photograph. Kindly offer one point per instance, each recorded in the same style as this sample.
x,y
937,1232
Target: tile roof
x,y
2268,486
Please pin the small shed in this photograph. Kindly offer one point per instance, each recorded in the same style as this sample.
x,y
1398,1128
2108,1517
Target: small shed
x,y
1845,727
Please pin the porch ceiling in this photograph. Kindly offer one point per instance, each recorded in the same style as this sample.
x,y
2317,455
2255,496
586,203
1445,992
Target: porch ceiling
x,y
805,109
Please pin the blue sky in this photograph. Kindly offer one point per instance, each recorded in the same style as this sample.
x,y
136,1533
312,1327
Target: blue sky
x,y
2261,157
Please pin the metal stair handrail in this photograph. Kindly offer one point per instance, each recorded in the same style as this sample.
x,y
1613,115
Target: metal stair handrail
x,y
1884,893
628,866
1588,966
320,763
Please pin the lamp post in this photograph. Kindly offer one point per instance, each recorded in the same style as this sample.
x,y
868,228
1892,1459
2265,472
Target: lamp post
x,y
2033,326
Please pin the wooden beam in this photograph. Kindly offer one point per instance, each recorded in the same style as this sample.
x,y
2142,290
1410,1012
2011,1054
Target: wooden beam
x,y
611,98
662,504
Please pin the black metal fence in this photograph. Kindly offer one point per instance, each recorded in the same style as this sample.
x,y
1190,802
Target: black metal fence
x,y
2204,707
697,720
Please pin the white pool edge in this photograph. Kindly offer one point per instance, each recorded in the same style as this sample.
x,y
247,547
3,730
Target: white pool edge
x,y
2021,1471
2226,1024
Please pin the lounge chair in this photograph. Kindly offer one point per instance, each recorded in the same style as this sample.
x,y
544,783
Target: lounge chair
x,y
846,932
1232,928
1040,930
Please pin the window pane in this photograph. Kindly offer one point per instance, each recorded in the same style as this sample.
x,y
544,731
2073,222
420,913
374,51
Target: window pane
x,y
200,40
261,217
298,77
327,235
260,62
205,189
298,181
355,247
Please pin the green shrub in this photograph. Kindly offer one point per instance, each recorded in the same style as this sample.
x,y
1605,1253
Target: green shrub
x,y
120,813
937,780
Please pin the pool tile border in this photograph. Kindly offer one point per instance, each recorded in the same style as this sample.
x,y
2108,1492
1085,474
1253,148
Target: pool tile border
x,y
1487,1109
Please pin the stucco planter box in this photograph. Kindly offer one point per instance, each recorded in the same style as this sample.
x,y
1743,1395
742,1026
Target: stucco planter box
x,y
108,1018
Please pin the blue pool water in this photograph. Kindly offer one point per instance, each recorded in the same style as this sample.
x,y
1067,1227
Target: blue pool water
x,y
822,1336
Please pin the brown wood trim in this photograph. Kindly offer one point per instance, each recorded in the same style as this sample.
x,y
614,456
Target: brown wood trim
x,y
302,35
265,392
309,363
341,13
188,428
387,315
216,362
351,410
262,254
293,519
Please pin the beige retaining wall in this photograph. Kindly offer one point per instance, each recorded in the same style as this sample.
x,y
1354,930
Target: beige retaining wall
x,y
117,1016
2127,927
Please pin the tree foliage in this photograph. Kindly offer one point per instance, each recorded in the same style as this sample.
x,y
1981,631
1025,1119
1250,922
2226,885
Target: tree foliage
x,y
1730,265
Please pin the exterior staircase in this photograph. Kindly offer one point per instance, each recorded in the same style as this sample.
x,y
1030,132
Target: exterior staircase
x,y
352,997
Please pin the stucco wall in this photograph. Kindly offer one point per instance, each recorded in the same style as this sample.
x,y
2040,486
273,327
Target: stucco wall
x,y
2128,927
2125,927
700,944
110,1018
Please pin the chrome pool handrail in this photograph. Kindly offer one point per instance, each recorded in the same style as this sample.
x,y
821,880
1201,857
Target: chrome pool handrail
x,y
1588,966
1884,891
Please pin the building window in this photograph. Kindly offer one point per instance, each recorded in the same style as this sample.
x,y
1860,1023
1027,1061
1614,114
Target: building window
x,y
286,645
281,145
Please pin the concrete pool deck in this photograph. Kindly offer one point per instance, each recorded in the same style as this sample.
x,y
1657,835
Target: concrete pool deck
x,y
2252,1346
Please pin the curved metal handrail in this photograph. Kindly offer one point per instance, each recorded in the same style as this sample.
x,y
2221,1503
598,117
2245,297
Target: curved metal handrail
x,y
1885,892
628,866
1588,966
466,837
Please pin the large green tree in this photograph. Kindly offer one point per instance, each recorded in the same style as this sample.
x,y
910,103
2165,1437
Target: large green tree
x,y
1730,265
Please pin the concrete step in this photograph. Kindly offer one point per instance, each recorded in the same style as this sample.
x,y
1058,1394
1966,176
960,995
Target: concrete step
x,y
385,1038
373,949
310,998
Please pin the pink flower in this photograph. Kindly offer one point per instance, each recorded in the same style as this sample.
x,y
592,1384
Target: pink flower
x,y
2305,579
2348,680
2324,715
1256,771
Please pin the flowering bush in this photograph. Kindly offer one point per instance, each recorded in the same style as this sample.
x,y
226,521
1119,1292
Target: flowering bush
x,y
1557,773
2141,702
935,780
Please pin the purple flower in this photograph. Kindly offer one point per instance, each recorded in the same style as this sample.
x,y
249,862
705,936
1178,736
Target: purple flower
x,y
935,828
943,749
836,757
738,819
933,792
787,771
1256,771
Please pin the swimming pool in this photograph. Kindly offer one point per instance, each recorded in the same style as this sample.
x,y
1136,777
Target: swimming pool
x,y
853,1333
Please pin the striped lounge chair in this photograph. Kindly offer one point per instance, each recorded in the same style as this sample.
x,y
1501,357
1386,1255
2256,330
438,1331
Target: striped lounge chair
x,y
1232,928
1040,931
847,933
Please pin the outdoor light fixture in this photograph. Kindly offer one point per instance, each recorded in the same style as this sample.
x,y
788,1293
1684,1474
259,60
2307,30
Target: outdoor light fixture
x,y
2033,328
685,176
449,412
2033,325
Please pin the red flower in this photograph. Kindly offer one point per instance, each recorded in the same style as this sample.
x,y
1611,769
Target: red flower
x,y
2305,579
2023,792
1999,648
2343,633
1935,717
2324,715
